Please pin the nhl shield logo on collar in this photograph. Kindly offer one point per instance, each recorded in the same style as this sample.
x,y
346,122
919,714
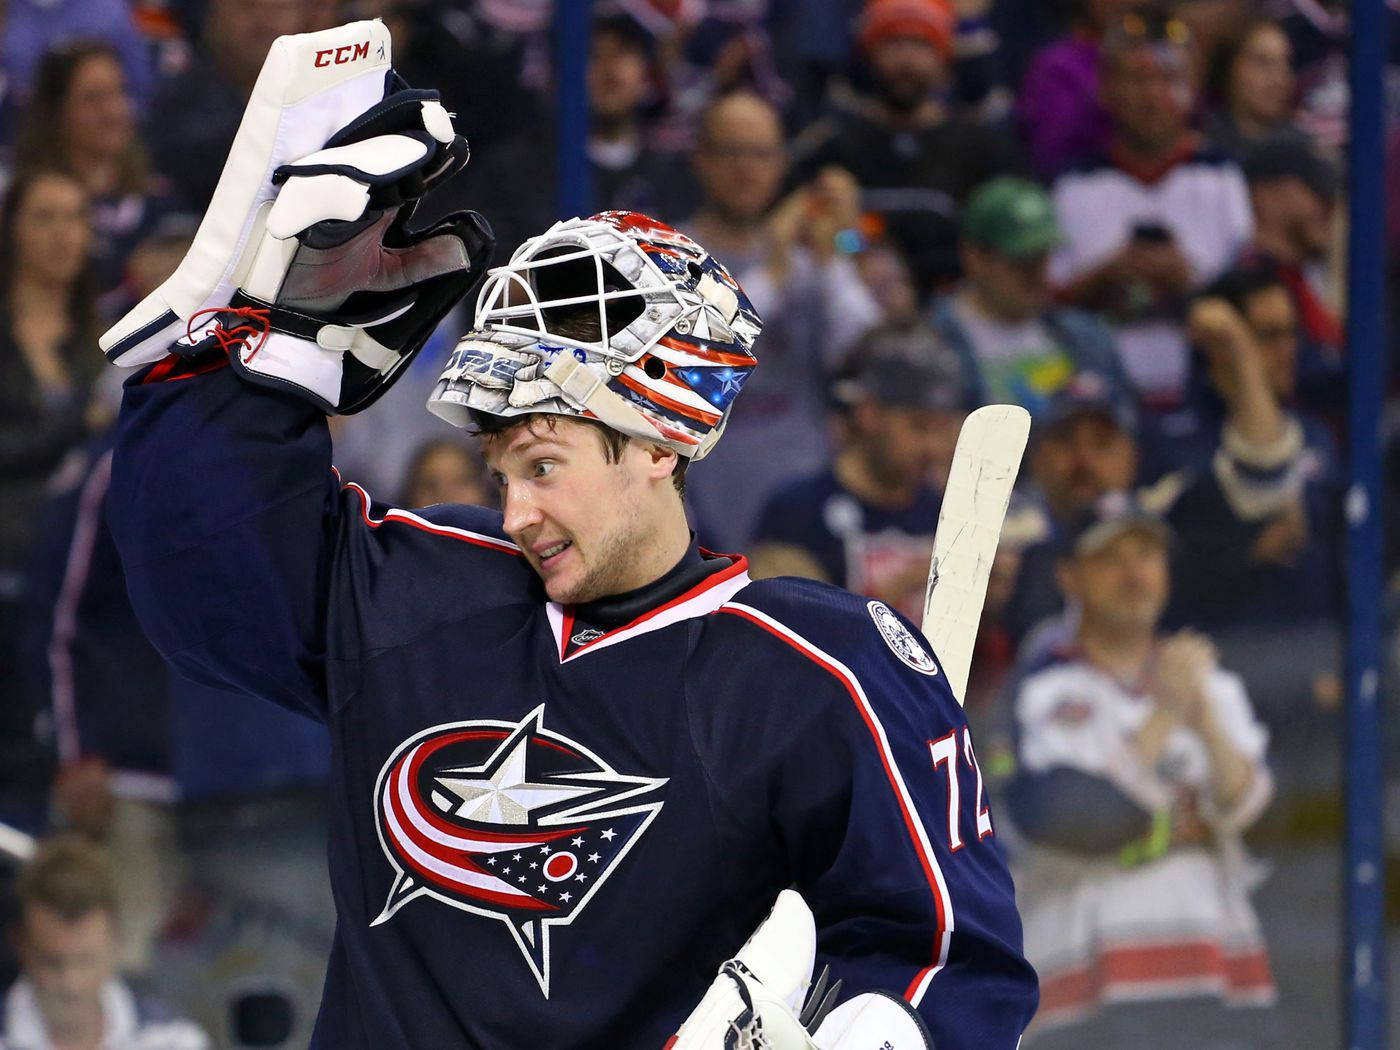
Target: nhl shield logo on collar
x,y
507,820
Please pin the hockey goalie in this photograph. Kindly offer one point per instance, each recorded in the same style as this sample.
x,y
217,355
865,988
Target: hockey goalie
x,y
576,759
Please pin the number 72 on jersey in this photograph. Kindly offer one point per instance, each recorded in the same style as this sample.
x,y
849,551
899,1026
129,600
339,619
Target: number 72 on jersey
x,y
946,752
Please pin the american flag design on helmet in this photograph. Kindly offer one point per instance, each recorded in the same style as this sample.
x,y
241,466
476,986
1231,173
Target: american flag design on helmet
x,y
676,333
509,821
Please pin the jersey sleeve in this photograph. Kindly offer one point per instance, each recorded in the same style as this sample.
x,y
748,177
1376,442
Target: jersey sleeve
x,y
876,798
223,507
249,565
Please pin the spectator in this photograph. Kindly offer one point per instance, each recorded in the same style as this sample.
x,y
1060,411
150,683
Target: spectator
x,y
1157,215
69,994
1320,32
155,256
887,278
707,51
785,255
80,121
1293,573
1020,347
443,471
1140,763
47,366
196,113
1086,445
1293,190
31,28
914,162
106,696
866,521
1251,85
626,174
1058,111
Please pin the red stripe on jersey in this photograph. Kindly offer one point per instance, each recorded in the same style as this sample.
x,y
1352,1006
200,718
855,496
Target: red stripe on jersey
x,y
404,518
741,565
942,907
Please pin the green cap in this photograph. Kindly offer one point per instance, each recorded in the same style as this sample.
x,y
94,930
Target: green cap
x,y
1012,217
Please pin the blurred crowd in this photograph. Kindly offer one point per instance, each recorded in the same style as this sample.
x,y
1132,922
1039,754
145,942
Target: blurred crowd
x,y
1125,217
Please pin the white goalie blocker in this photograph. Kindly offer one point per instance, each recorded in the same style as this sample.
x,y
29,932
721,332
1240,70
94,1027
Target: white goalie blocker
x,y
311,85
307,269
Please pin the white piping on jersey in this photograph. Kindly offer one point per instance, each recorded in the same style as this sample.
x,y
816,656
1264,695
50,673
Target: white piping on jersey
x,y
704,603
406,517
916,992
62,688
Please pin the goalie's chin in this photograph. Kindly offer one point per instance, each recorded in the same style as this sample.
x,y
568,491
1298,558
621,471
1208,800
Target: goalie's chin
x,y
566,579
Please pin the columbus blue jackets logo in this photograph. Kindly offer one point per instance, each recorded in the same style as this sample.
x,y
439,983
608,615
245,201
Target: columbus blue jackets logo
x,y
507,820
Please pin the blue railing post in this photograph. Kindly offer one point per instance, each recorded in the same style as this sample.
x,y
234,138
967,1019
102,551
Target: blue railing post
x,y
1365,963
572,23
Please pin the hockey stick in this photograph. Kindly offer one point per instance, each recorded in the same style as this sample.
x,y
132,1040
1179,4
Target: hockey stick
x,y
984,469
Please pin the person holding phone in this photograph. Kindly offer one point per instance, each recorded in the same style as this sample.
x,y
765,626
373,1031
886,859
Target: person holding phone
x,y
1157,216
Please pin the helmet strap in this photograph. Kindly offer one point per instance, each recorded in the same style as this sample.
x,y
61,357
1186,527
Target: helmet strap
x,y
584,386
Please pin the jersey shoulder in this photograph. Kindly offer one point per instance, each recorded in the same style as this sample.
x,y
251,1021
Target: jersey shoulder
x,y
860,642
479,526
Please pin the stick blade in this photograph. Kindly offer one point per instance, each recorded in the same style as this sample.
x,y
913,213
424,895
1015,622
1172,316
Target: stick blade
x,y
985,464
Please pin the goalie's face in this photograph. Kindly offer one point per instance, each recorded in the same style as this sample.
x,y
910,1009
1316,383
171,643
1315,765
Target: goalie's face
x,y
590,522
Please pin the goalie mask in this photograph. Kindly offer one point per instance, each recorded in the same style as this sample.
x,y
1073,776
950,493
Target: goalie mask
x,y
617,318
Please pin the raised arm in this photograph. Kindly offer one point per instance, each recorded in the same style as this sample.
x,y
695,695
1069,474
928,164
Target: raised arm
x,y
224,509
305,292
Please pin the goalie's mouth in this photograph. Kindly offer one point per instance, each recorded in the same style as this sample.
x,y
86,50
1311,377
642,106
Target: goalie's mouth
x,y
551,554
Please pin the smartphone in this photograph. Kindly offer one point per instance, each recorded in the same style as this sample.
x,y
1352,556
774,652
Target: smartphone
x,y
1151,233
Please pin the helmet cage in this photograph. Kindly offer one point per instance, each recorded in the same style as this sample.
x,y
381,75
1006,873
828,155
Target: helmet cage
x,y
675,334
510,300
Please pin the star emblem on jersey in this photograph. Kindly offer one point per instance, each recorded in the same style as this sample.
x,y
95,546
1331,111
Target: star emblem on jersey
x,y
507,820
900,639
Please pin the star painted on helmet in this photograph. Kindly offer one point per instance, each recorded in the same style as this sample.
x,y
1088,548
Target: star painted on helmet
x,y
731,381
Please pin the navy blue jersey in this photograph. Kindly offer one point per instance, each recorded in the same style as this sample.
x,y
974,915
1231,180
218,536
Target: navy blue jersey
x,y
534,849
